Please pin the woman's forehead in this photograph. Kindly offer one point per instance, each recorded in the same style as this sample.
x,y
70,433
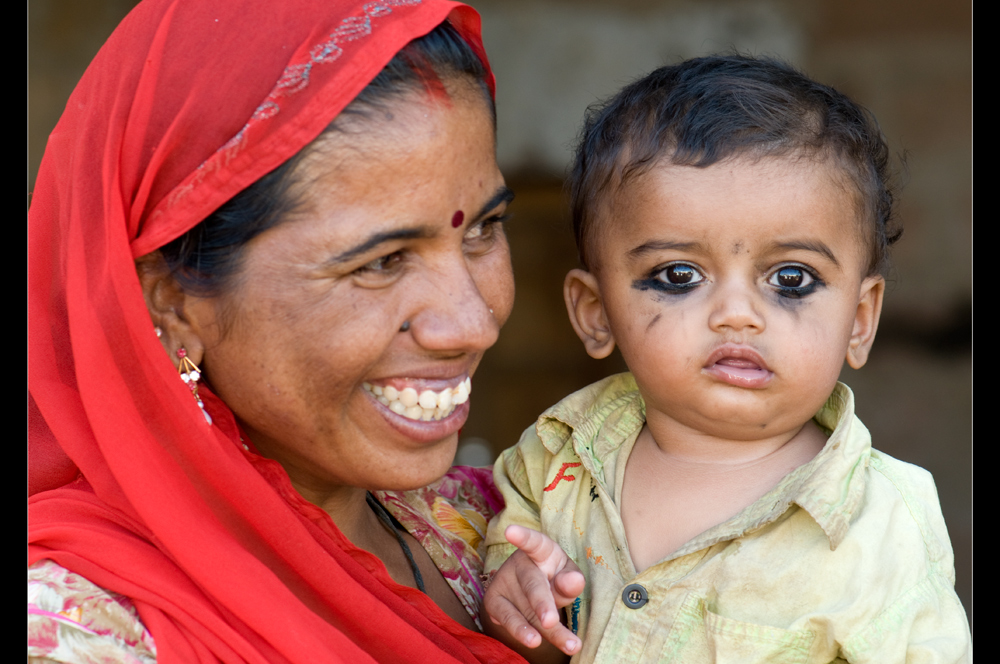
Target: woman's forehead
x,y
418,161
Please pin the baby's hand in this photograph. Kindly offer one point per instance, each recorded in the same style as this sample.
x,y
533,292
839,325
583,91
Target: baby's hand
x,y
528,590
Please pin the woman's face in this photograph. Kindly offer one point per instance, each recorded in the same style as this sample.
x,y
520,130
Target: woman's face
x,y
393,275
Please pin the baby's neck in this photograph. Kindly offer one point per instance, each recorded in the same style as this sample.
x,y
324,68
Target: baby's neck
x,y
676,488
704,449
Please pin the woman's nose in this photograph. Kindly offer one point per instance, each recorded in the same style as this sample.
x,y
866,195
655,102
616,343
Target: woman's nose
x,y
454,315
736,307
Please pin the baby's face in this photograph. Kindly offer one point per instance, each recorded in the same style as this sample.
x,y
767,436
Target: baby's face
x,y
735,292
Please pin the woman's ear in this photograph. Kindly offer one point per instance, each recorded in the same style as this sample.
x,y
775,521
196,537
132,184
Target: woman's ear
x,y
586,312
865,321
168,304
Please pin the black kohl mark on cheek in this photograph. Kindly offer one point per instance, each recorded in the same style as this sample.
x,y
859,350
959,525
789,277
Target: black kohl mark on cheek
x,y
457,219
790,304
663,286
795,303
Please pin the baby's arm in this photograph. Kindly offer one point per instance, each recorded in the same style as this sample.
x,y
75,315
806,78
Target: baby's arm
x,y
523,599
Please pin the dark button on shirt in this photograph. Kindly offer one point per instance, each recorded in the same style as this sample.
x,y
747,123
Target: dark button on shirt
x,y
634,596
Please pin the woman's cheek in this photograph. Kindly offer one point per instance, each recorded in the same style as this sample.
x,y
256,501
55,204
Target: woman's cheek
x,y
496,283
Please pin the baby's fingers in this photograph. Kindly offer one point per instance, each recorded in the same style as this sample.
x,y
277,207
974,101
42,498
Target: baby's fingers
x,y
562,638
540,548
526,628
567,584
502,612
537,592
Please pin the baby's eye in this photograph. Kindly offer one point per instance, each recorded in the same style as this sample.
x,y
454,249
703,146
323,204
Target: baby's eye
x,y
680,274
793,280
791,277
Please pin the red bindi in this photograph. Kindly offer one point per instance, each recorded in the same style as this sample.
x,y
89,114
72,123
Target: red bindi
x,y
457,219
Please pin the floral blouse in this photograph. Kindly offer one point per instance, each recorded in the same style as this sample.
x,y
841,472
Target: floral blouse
x,y
72,620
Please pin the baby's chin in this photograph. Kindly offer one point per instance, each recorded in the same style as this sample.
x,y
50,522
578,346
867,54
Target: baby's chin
x,y
744,425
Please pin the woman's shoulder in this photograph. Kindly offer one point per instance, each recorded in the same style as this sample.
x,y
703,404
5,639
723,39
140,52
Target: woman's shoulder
x,y
70,619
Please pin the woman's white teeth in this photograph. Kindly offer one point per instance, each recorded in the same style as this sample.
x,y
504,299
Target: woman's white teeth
x,y
424,406
428,399
409,397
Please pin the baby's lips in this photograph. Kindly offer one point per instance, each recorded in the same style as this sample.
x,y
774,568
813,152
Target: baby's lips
x,y
735,355
739,363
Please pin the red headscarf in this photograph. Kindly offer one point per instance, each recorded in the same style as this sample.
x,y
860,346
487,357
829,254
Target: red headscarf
x,y
187,104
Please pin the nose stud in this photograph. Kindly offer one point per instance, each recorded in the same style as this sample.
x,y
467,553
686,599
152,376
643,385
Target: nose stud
x,y
405,326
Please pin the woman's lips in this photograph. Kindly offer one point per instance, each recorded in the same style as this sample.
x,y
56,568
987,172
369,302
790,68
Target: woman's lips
x,y
418,402
738,365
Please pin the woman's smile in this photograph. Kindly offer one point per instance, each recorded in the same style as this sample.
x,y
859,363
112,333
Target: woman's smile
x,y
419,401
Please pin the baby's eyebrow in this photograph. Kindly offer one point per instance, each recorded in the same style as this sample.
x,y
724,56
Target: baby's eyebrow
x,y
817,247
660,245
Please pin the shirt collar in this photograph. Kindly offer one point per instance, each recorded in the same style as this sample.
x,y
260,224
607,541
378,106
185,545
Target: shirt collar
x,y
600,417
831,487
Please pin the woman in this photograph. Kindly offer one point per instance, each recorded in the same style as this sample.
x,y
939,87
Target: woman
x,y
213,402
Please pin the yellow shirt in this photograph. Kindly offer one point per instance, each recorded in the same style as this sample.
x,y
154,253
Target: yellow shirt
x,y
846,559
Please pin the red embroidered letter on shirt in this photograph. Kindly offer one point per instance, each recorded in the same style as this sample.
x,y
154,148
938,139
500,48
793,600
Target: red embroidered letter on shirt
x,y
561,475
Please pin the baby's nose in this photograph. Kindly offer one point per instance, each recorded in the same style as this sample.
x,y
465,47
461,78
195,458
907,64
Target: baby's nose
x,y
736,307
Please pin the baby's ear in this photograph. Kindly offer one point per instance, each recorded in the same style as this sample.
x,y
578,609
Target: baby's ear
x,y
865,321
586,313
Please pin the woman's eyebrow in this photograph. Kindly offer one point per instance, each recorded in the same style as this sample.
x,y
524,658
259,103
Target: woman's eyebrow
x,y
504,195
418,233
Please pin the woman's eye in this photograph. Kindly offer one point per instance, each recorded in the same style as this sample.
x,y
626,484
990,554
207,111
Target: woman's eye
x,y
475,232
792,279
486,228
381,263
681,275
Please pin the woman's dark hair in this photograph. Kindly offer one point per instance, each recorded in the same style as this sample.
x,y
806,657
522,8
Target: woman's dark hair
x,y
206,258
704,110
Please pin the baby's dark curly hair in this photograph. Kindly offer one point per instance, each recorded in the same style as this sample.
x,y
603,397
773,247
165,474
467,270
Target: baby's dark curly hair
x,y
704,110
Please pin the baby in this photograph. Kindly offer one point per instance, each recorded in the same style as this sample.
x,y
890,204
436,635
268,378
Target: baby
x,y
721,500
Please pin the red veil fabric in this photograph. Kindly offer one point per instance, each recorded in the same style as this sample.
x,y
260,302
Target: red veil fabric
x,y
187,104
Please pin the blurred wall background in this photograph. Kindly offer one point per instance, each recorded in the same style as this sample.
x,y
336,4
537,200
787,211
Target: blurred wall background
x,y
909,62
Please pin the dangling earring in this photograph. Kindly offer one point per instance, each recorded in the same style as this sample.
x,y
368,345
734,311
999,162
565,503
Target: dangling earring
x,y
190,375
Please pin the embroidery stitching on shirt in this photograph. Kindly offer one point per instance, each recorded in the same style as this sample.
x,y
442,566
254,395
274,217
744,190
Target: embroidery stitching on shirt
x,y
561,475
597,560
